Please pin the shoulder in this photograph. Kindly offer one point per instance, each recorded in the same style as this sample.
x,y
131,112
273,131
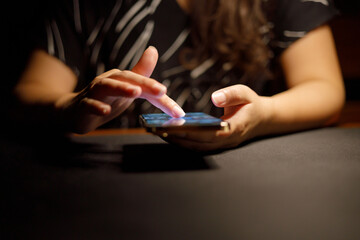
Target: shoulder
x,y
293,19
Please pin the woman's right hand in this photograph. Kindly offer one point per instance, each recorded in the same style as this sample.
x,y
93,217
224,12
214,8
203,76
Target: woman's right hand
x,y
112,92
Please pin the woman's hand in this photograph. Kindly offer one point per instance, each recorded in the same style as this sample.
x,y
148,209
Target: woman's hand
x,y
246,112
315,97
111,93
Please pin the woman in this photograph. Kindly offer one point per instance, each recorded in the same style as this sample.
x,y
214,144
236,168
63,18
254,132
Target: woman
x,y
227,52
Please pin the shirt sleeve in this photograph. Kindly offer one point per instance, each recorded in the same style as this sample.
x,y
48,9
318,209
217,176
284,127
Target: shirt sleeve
x,y
55,33
293,19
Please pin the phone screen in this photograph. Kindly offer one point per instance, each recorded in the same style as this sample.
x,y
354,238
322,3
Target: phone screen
x,y
193,119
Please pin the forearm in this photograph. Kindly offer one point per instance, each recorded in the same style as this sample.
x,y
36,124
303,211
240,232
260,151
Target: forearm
x,y
311,104
316,92
35,97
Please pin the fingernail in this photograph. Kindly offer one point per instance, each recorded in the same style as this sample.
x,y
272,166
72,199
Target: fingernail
x,y
152,48
105,109
219,98
178,112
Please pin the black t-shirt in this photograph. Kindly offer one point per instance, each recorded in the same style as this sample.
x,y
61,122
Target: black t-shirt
x,y
95,36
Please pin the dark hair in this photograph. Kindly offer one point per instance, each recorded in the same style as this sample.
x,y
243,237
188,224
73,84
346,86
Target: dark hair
x,y
231,31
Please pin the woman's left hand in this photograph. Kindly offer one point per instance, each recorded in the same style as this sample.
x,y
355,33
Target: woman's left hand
x,y
246,112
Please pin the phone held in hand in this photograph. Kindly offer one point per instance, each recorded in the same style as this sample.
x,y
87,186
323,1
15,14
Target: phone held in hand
x,y
161,122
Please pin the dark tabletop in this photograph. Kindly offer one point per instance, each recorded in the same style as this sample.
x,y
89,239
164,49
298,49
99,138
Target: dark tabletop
x,y
298,186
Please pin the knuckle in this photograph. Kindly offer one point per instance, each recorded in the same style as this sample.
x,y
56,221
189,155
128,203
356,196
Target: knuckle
x,y
84,102
130,76
97,84
149,81
239,88
109,73
120,75
100,82
125,72
240,128
114,71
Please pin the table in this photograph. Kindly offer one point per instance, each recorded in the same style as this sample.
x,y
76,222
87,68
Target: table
x,y
298,186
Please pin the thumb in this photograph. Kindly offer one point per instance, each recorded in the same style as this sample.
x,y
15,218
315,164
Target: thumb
x,y
232,96
147,62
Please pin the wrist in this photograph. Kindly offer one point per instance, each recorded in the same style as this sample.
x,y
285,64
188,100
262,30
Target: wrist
x,y
268,115
64,101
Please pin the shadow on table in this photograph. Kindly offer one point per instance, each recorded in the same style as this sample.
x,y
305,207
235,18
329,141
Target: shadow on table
x,y
69,154
163,157
132,158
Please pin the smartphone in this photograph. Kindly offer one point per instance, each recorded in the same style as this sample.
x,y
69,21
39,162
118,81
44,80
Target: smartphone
x,y
155,122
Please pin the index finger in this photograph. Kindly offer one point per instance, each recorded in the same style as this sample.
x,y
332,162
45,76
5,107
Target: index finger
x,y
150,87
167,105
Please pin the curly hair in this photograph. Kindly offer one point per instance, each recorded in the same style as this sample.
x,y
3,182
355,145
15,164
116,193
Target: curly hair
x,y
230,31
